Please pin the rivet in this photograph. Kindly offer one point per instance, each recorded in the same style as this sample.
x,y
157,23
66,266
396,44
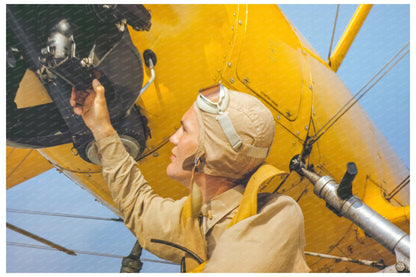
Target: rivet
x,y
239,22
278,117
155,154
306,127
232,80
229,64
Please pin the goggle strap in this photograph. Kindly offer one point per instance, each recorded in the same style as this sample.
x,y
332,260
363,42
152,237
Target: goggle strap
x,y
256,152
229,131
235,140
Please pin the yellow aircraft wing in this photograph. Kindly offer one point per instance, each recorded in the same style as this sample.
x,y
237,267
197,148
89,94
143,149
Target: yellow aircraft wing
x,y
23,164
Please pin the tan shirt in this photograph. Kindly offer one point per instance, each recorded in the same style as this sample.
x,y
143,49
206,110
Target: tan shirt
x,y
271,241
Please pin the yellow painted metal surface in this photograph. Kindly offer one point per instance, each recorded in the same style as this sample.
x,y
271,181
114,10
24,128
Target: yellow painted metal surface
x,y
254,49
23,164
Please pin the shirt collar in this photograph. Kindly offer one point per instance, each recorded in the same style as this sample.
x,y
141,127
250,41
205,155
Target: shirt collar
x,y
221,205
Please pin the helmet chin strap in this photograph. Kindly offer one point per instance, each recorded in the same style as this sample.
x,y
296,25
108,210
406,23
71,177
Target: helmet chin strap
x,y
195,192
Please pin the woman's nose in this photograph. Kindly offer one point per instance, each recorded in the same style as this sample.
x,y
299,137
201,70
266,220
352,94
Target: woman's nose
x,y
175,137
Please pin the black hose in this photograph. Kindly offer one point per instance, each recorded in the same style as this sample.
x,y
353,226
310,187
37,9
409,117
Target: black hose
x,y
192,254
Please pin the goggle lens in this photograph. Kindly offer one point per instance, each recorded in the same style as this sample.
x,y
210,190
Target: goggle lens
x,y
213,99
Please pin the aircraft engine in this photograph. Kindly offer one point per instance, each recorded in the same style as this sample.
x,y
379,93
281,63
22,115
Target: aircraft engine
x,y
68,46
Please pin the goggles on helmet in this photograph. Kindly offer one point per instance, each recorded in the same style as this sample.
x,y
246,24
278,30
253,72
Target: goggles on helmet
x,y
215,100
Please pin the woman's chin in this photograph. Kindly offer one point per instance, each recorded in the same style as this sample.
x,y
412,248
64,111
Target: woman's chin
x,y
182,176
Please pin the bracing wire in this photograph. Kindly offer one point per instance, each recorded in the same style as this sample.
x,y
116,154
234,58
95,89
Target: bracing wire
x,y
333,34
27,245
62,215
370,84
10,153
44,247
19,164
397,189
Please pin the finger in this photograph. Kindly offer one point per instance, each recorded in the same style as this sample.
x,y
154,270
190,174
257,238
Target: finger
x,y
78,110
80,101
83,93
89,99
77,97
98,88
72,100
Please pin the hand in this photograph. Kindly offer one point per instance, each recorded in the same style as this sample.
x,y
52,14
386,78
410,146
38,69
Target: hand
x,y
92,107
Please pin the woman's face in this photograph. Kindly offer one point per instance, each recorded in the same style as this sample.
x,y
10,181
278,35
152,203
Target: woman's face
x,y
185,141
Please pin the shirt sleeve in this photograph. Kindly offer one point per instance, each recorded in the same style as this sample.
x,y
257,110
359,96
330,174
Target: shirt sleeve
x,y
271,241
145,213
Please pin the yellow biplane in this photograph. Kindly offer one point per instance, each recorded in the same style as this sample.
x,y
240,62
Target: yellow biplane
x,y
154,58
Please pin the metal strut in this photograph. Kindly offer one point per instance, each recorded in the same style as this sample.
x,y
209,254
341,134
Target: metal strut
x,y
132,263
340,200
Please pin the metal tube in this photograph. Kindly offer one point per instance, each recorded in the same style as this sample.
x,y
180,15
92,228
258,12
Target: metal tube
x,y
373,224
150,81
348,37
40,239
146,86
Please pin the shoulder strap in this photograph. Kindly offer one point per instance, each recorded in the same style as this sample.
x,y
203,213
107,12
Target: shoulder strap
x,y
255,185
